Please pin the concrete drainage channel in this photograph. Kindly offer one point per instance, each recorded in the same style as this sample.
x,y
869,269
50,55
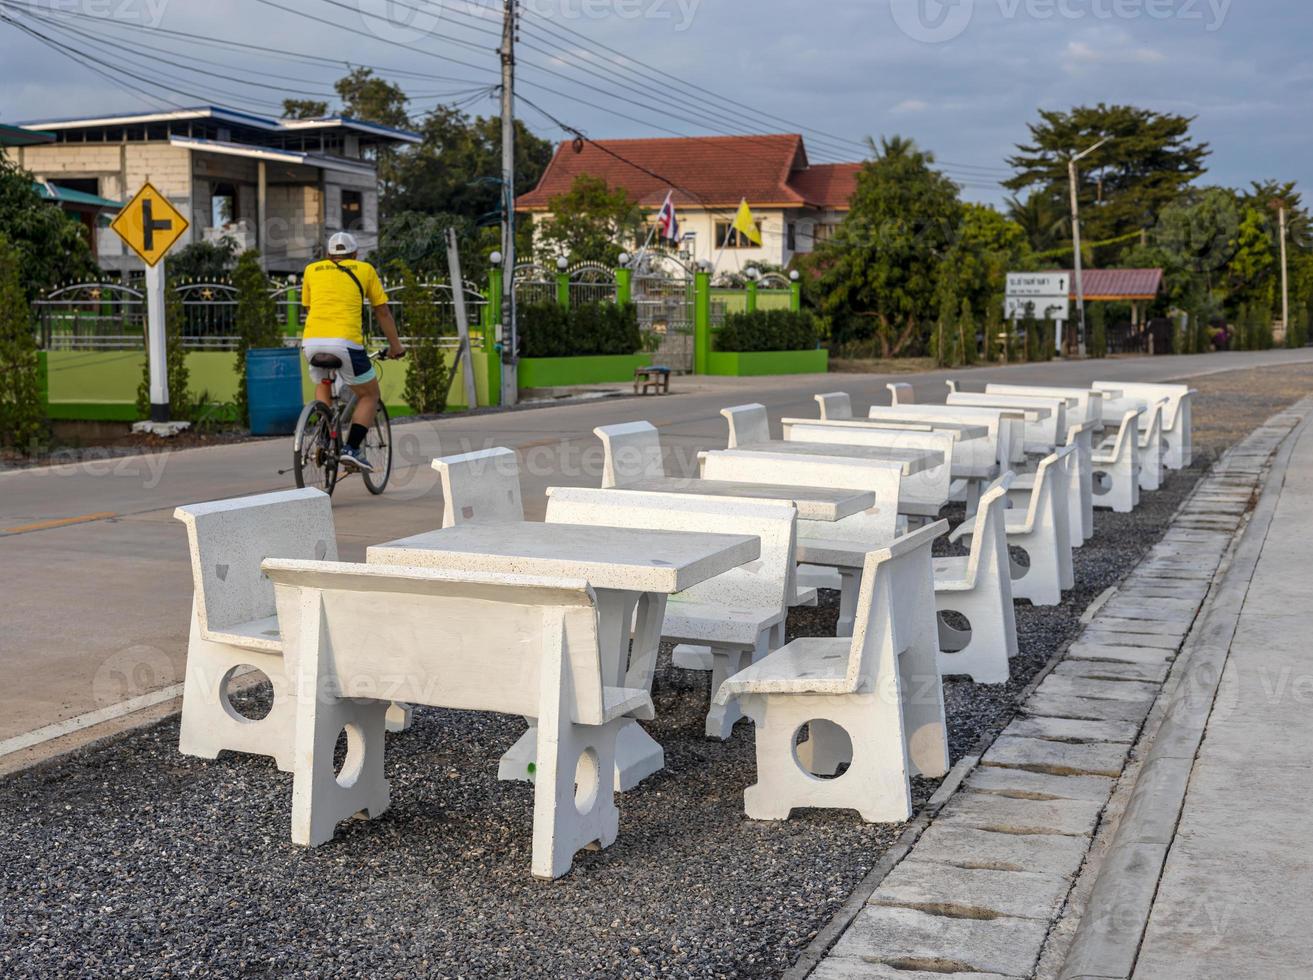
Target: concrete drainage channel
x,y
982,877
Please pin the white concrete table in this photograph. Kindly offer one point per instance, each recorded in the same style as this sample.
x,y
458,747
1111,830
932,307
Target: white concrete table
x,y
632,571
912,461
1045,426
1005,425
813,503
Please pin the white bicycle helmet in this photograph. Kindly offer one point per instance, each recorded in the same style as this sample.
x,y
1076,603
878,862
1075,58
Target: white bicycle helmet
x,y
342,244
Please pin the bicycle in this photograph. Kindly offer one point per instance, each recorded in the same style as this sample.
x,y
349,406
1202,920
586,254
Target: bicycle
x,y
317,446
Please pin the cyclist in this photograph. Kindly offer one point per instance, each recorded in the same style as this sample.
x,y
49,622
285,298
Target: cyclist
x,y
334,292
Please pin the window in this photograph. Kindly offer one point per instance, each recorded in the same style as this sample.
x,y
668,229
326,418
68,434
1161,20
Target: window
x,y
223,205
792,237
86,185
822,233
353,210
727,236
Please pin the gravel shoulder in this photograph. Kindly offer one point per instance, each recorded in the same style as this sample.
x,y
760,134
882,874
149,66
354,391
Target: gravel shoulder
x,y
126,856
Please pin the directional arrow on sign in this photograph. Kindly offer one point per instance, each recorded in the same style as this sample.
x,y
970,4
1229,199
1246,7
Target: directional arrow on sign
x,y
150,225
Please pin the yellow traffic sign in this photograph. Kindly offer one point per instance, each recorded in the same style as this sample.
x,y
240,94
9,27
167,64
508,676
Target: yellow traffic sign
x,y
149,224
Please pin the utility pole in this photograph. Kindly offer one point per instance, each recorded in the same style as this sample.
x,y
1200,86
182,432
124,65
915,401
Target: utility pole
x,y
1076,325
510,337
1285,272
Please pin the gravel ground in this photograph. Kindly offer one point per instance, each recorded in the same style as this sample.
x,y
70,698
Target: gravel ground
x,y
129,858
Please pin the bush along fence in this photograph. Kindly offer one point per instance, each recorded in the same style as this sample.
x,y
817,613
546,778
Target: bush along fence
x,y
582,324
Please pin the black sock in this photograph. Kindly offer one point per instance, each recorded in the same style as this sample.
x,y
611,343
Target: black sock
x,y
356,436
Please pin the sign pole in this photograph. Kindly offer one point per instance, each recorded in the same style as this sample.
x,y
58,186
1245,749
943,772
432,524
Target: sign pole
x,y
156,343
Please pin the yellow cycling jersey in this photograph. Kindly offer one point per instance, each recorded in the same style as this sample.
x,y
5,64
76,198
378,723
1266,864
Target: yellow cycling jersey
x,y
334,301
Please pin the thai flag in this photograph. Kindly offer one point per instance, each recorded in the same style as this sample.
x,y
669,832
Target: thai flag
x,y
667,220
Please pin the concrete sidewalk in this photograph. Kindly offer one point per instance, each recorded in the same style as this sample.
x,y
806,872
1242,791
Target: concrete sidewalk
x,y
1236,895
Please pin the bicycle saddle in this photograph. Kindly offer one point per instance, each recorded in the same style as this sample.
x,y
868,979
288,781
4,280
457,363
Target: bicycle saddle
x,y
326,361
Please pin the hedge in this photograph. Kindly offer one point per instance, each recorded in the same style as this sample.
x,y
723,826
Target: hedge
x,y
550,330
767,330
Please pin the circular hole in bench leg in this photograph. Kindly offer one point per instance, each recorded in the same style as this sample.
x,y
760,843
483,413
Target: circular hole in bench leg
x,y
1101,483
349,755
826,752
1019,559
954,631
246,693
587,781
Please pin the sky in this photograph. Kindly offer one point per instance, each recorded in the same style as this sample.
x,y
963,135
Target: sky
x,y
961,77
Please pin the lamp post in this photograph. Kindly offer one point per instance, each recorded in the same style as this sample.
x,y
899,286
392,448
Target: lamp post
x,y
1076,332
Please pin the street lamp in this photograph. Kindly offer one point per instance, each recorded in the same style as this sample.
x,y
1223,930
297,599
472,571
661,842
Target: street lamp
x,y
1076,334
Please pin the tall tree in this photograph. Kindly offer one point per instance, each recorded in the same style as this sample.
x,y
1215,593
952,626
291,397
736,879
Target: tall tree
x,y
882,267
1148,160
304,109
51,247
988,246
591,222
22,419
457,168
367,97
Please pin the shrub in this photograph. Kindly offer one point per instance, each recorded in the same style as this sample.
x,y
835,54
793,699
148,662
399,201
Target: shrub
x,y
257,318
22,419
1098,323
180,403
767,330
428,380
550,330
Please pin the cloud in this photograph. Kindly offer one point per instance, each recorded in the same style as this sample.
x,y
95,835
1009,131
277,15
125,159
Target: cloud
x,y
911,105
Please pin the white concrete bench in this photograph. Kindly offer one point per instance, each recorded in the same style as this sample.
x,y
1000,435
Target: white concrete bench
x,y
1117,468
480,488
901,393
921,494
1178,422
1080,500
726,622
874,702
1083,404
979,588
469,641
234,621
835,405
1151,446
1005,429
1045,425
1039,526
837,547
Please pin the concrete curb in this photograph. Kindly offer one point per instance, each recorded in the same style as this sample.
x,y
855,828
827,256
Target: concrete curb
x,y
1108,937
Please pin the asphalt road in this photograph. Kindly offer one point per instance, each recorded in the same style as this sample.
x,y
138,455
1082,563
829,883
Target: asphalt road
x,y
97,582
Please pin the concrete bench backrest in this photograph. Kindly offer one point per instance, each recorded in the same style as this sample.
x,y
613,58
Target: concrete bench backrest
x,y
927,487
1128,436
998,440
901,393
1040,434
632,453
1050,485
766,583
898,588
989,540
748,425
229,539
1088,407
835,405
480,488
882,479
471,641
1176,396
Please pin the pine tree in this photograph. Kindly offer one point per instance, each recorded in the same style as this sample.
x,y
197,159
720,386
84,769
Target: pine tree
x,y
1098,345
22,418
256,319
427,380
966,333
180,405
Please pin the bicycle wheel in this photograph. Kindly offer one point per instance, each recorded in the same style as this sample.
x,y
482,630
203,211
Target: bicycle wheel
x,y
378,450
314,449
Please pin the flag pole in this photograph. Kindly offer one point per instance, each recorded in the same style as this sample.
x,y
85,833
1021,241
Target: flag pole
x,y
638,260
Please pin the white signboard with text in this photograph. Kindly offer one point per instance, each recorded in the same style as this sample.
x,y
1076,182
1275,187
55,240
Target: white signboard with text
x,y
1040,307
1045,284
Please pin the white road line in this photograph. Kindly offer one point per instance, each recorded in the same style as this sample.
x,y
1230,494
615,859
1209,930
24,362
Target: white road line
x,y
70,725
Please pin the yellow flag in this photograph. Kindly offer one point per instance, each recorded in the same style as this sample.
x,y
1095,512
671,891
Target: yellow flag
x,y
746,225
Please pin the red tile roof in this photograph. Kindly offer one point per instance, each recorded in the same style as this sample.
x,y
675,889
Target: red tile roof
x,y
1117,284
705,172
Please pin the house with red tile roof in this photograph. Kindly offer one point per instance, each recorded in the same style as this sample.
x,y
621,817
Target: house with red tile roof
x,y
797,203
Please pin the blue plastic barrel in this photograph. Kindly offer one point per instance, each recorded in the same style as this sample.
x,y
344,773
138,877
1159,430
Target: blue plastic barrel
x,y
273,390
